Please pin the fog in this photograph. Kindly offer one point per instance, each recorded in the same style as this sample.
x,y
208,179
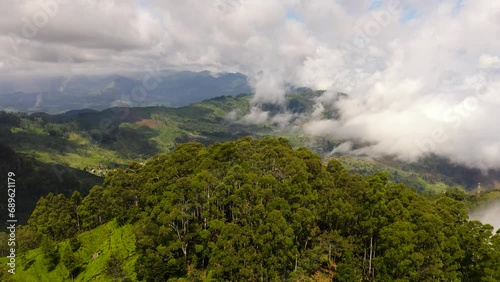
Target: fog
x,y
489,214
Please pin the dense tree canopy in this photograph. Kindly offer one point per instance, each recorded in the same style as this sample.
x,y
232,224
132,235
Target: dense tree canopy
x,y
257,210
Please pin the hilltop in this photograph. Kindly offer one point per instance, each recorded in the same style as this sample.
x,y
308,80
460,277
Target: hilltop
x,y
252,210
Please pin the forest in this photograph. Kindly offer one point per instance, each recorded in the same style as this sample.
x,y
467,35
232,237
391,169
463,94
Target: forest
x,y
255,210
72,151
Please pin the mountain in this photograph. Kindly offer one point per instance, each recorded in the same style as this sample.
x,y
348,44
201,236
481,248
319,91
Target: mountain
x,y
184,88
173,89
72,151
86,144
251,210
91,183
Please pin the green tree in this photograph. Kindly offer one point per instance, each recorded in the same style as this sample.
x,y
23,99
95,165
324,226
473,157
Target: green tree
x,y
257,210
93,210
70,261
50,253
114,268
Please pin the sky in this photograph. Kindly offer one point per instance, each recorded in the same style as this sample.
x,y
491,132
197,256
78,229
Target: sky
x,y
422,76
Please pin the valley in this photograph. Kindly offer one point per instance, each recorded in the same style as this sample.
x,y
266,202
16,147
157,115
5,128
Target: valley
x,y
73,151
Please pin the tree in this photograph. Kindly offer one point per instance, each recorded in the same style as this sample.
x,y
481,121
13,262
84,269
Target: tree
x,y
70,261
93,209
76,200
257,210
50,253
114,267
52,217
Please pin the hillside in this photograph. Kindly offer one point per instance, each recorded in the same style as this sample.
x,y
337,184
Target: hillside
x,y
100,140
91,250
116,136
35,179
253,210
73,151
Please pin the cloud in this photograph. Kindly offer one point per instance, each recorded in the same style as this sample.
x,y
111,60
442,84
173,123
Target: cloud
x,y
256,116
488,215
424,93
419,84
489,60
342,148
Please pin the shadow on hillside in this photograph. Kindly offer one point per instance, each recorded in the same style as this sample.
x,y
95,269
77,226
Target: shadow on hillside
x,y
192,112
34,179
113,129
132,142
40,143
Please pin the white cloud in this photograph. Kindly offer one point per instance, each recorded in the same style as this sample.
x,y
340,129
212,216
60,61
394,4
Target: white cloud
x,y
489,61
256,116
342,148
488,215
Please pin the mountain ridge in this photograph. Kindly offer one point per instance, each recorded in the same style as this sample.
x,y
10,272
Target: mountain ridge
x,y
175,89
93,142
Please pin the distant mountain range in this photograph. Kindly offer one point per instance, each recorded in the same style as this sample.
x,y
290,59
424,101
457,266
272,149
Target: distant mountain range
x,y
172,89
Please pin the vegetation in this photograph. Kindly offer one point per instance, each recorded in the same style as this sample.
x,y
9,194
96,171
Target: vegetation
x,y
35,179
256,210
88,260
239,211
73,151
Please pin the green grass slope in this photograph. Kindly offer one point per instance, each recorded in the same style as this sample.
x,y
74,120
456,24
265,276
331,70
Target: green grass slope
x,y
103,240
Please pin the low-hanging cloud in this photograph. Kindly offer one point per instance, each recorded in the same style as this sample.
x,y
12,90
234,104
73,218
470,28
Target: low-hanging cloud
x,y
488,214
422,76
